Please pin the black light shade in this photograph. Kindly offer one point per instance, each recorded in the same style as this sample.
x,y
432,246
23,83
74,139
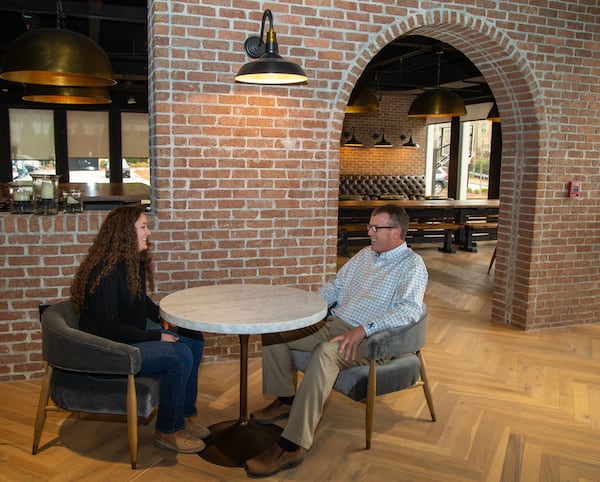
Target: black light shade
x,y
270,68
53,94
437,103
362,101
53,56
494,114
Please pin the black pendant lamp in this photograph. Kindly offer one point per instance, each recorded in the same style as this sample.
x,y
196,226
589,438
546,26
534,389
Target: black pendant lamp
x,y
53,94
437,102
270,68
362,101
494,114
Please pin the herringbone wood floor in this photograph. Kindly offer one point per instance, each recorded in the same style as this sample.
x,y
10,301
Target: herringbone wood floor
x,y
511,406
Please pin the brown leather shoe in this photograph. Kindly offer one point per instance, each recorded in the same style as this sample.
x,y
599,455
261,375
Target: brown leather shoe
x,y
277,410
179,442
273,460
195,429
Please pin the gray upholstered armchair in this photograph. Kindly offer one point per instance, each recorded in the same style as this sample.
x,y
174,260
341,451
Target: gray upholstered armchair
x,y
88,373
405,370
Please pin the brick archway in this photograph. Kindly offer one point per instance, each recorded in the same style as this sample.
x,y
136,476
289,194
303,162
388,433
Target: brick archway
x,y
512,83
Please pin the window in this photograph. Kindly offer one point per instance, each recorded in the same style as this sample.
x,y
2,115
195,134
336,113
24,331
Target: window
x,y
33,150
87,143
474,156
31,142
135,136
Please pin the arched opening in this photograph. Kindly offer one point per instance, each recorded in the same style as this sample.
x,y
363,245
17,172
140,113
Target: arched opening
x,y
520,146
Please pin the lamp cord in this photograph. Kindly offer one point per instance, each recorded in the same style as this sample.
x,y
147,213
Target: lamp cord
x,y
60,16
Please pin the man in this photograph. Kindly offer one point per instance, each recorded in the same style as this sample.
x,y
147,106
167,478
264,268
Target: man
x,y
381,287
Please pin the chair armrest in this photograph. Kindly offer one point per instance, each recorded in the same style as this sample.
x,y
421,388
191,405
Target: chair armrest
x,y
397,341
72,349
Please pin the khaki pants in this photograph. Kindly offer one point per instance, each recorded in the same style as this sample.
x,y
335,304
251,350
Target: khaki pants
x,y
323,368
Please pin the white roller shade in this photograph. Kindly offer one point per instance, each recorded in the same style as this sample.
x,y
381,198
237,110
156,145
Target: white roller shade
x,y
87,134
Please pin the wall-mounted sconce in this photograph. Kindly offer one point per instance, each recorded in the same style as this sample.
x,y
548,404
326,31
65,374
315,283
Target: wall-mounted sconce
x,y
270,68
410,142
131,100
383,142
353,141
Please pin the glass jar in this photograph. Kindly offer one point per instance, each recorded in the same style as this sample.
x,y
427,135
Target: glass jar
x,y
72,201
45,193
21,197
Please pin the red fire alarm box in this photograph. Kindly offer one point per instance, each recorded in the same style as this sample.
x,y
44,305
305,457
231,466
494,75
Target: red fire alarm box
x,y
574,188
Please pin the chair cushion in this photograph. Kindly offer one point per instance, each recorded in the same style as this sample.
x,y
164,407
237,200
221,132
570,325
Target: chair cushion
x,y
399,373
84,392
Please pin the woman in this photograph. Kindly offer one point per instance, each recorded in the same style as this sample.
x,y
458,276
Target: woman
x,y
109,292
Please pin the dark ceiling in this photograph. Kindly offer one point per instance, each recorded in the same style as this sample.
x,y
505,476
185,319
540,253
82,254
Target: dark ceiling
x,y
118,26
409,65
405,66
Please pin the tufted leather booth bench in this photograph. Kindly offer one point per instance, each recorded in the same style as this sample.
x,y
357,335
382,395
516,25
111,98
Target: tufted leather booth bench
x,y
382,187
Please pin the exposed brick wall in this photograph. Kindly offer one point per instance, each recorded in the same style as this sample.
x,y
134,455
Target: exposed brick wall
x,y
392,119
245,177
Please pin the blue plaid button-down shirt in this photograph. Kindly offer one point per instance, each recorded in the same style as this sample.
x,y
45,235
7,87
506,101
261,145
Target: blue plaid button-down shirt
x,y
378,291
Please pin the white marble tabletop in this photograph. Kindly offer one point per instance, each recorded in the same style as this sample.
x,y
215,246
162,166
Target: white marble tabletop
x,y
243,308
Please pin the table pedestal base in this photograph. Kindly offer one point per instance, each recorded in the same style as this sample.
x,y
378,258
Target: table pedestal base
x,y
232,443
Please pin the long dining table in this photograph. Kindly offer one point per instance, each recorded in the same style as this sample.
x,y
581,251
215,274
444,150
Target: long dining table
x,y
358,212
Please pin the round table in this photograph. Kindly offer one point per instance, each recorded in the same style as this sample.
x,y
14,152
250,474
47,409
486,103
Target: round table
x,y
242,309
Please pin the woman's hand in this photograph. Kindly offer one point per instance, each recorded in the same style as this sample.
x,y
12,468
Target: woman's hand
x,y
168,337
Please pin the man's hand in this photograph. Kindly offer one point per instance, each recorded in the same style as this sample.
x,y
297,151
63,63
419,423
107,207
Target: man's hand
x,y
349,341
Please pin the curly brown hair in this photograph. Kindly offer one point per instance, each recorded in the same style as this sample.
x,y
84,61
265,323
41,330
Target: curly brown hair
x,y
115,243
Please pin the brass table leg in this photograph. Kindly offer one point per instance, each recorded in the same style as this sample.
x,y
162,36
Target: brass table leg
x,y
235,441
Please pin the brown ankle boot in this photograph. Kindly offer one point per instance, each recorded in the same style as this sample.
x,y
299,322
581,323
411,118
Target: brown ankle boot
x,y
195,429
276,410
179,442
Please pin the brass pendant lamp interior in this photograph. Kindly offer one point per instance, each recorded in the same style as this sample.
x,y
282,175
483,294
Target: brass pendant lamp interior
x,y
52,94
56,56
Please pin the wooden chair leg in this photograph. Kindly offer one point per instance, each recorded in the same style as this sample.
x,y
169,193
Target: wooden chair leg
x,y
40,418
132,422
426,389
370,410
492,261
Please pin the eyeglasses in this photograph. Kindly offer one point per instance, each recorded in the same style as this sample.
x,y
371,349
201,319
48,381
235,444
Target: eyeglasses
x,y
377,228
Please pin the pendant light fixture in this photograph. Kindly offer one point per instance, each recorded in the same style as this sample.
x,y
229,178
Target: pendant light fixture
x,y
270,68
353,142
50,56
494,114
437,102
383,142
362,101
55,56
53,94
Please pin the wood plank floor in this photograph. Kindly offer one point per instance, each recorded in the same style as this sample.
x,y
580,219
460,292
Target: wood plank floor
x,y
511,406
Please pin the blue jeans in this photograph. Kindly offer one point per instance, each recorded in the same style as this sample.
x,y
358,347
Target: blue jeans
x,y
178,363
